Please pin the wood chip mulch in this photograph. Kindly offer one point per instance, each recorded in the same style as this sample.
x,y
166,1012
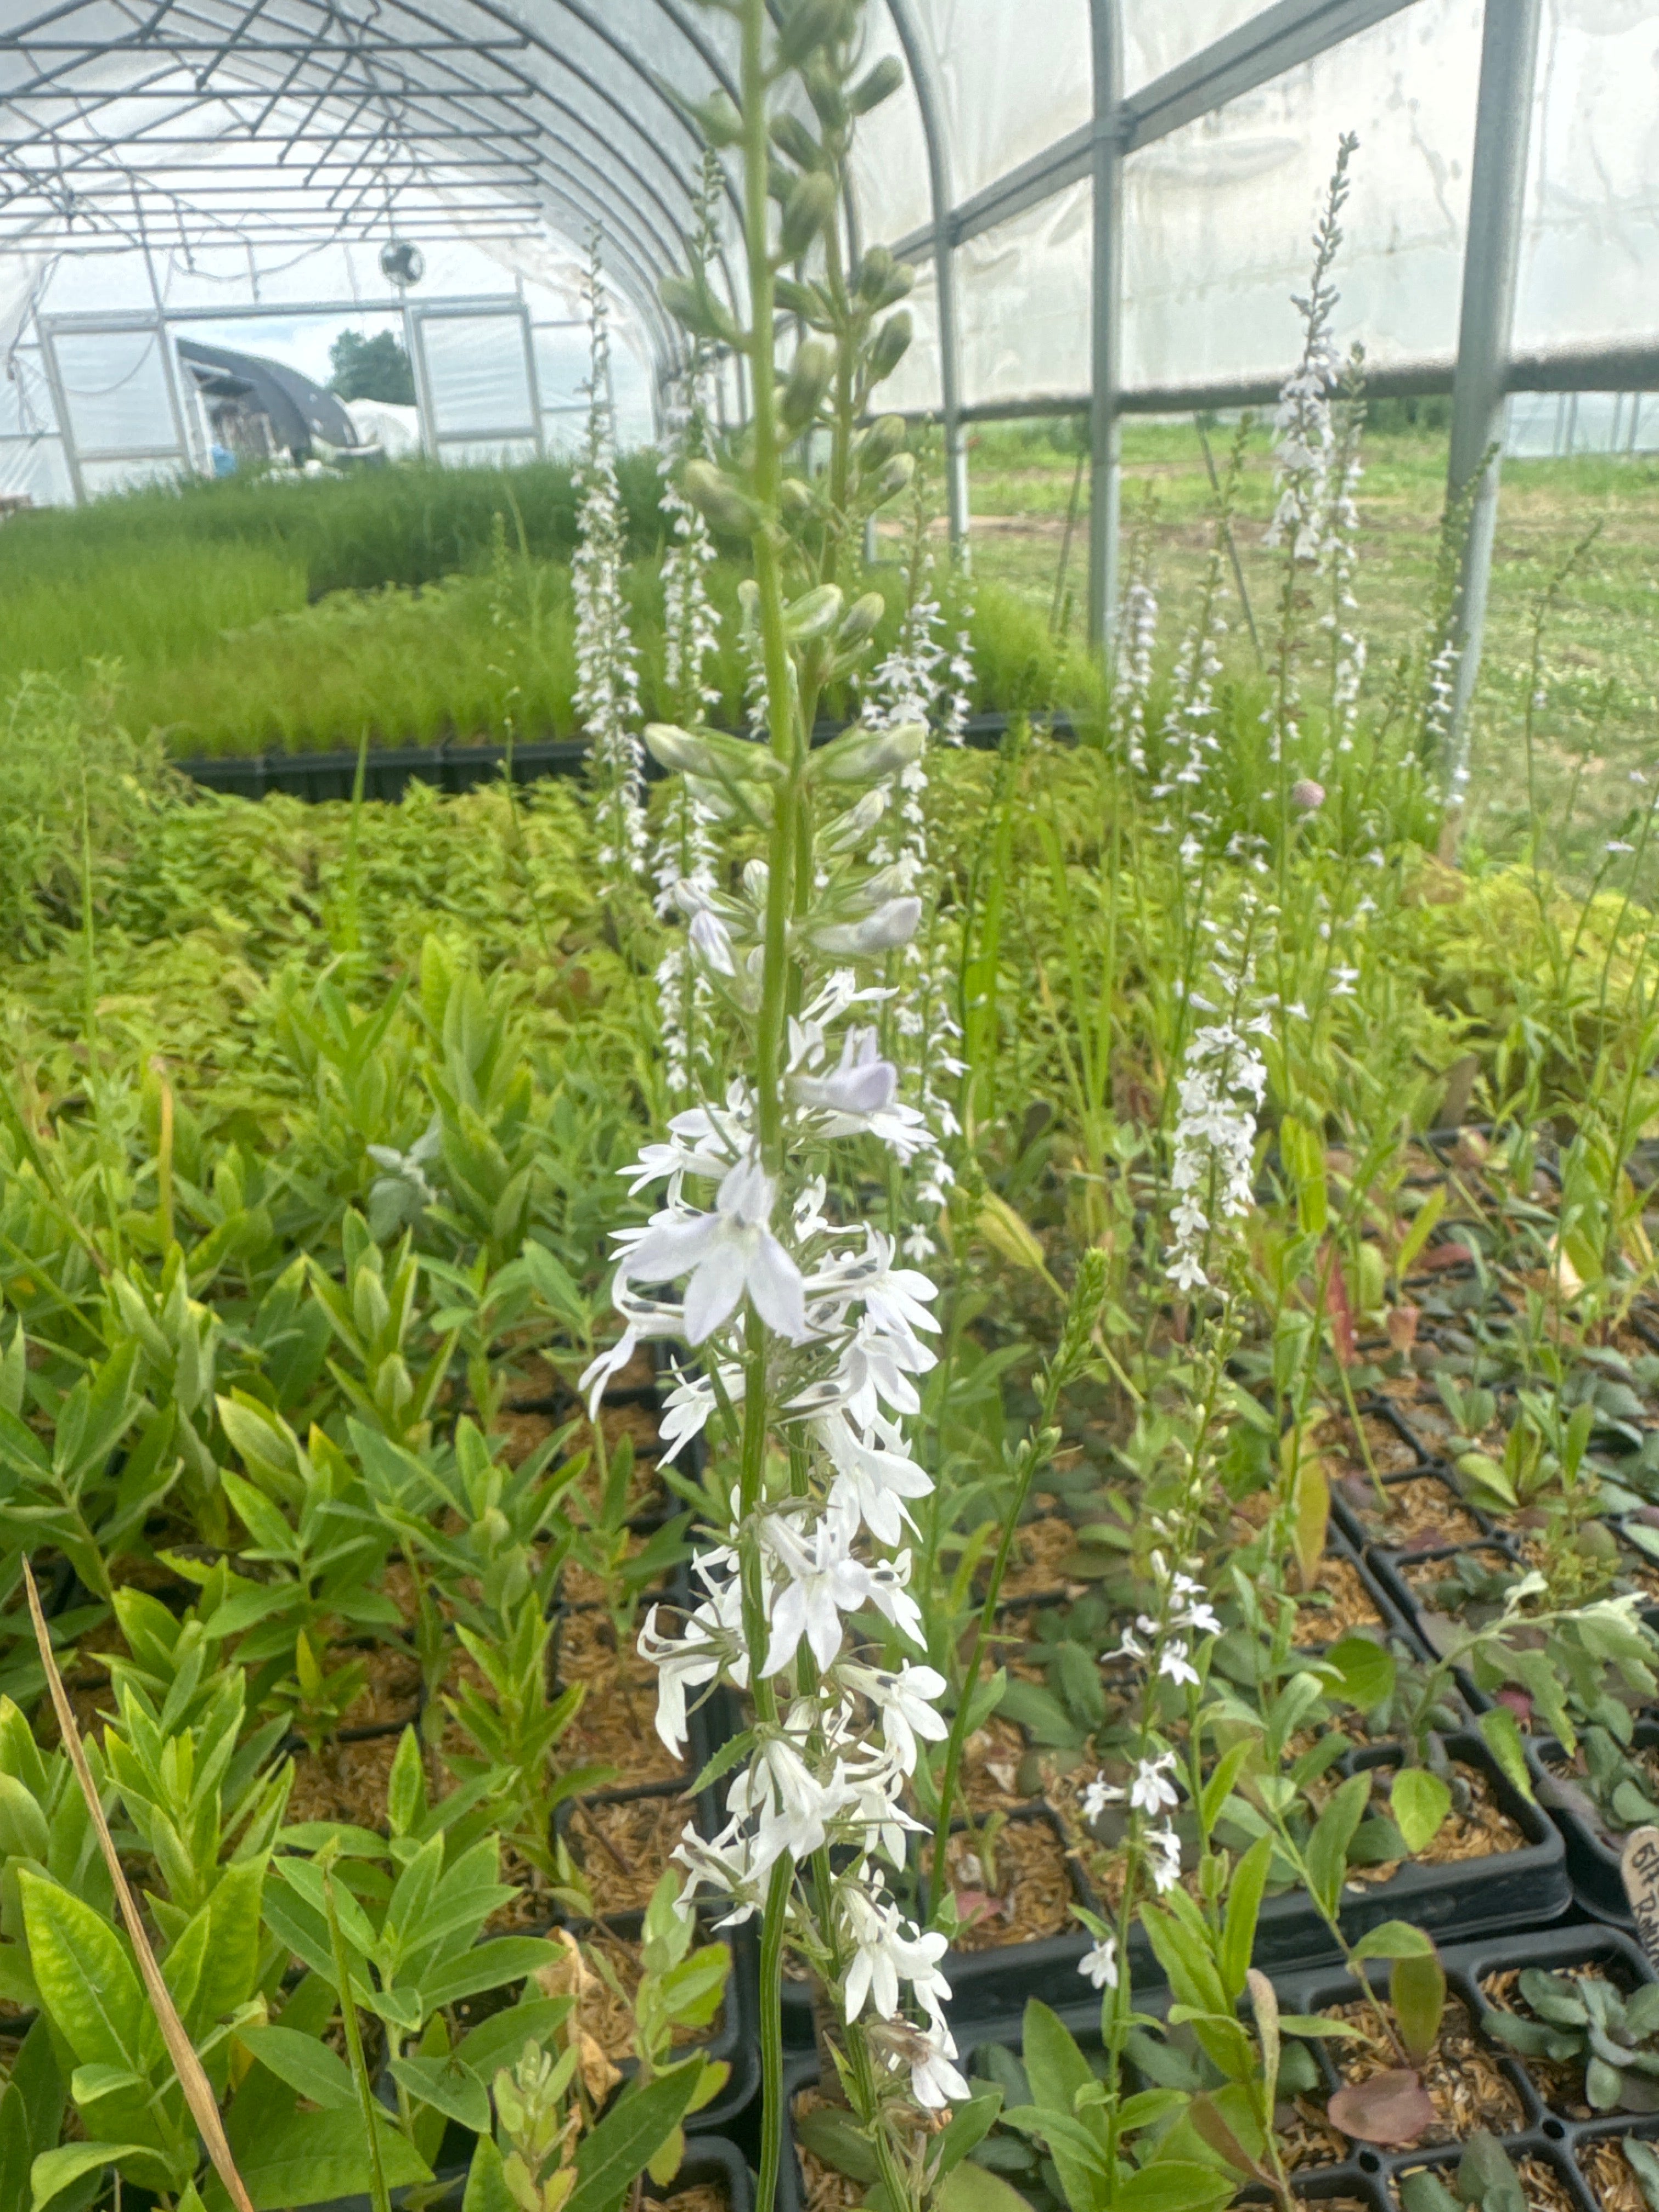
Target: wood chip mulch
x,y
1466,2084
1032,1881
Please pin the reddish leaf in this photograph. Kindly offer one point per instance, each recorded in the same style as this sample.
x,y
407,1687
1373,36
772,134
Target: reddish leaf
x,y
1518,1703
1391,2108
1442,1255
1402,1327
973,1904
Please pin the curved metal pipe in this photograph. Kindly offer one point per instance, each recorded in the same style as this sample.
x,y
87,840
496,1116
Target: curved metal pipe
x,y
938,187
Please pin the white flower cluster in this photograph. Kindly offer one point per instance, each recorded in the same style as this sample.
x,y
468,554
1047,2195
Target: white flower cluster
x,y
1223,1081
845,1343
1132,676
684,854
607,692
1341,555
922,681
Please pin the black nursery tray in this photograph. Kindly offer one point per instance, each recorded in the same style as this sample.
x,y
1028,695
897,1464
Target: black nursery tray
x,y
1546,2135
1594,1853
1367,2174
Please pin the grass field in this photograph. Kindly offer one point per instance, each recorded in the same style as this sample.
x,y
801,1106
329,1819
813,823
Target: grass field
x,y
1599,717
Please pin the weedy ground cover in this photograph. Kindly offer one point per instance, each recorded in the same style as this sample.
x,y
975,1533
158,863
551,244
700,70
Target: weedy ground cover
x,y
1590,515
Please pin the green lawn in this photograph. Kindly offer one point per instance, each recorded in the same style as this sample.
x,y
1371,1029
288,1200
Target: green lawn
x,y
1597,721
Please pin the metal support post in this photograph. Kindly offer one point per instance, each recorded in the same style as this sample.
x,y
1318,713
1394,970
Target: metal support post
x,y
188,457
60,407
1106,325
1491,258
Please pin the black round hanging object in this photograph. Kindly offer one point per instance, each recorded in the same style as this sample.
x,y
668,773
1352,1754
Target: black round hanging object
x,y
402,264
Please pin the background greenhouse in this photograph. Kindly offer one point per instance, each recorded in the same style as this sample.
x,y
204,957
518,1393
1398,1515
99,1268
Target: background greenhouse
x,y
829,1316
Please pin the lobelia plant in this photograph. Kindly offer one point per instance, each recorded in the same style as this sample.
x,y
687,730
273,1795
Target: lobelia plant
x,y
607,668
809,1333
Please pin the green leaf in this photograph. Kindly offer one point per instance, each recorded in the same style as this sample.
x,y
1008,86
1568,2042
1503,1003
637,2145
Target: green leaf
x,y
1174,2185
86,1980
315,2156
232,1966
507,1958
54,2170
1219,1787
1327,1854
1394,1939
611,2155
971,2188
1417,1990
1070,2142
486,2181
449,2087
497,2041
1365,1672
1643,2163
306,2063
1243,1905
1502,1734
967,2126
836,2140
1420,1802
1054,2066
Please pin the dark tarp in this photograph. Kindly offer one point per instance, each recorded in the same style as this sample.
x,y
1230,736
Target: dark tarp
x,y
298,409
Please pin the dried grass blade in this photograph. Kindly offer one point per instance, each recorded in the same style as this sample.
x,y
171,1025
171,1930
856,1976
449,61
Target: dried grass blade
x,y
198,2090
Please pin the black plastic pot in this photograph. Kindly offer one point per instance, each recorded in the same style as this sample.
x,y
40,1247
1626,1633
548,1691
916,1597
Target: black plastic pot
x,y
1545,2134
1594,1852
1368,2174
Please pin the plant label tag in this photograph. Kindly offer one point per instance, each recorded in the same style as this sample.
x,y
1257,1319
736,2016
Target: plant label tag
x,y
1640,1868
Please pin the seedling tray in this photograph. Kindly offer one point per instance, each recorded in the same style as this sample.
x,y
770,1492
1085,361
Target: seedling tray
x,y
1594,1856
1368,2174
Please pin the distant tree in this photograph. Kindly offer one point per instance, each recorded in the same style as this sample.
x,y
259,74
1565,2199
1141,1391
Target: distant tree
x,y
371,369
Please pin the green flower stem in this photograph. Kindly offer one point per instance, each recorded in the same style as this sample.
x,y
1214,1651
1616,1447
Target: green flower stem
x,y
380,2195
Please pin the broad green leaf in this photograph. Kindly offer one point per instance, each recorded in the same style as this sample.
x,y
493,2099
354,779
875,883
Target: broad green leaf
x,y
612,2155
55,2170
1054,2066
1502,1734
836,2140
233,1961
507,1958
486,2181
1417,1991
498,2040
86,1980
1173,2185
1420,1801
1366,1672
1244,1905
448,2086
1393,1939
971,2188
1326,1852
306,2063
313,2157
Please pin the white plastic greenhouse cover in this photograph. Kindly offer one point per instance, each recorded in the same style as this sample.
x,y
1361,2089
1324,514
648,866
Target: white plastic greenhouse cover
x,y
254,146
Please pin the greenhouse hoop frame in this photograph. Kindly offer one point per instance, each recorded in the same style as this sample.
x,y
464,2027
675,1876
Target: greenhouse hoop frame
x,y
265,125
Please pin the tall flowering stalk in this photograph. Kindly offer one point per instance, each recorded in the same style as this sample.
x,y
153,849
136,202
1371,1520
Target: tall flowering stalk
x,y
810,1335
922,679
1305,448
607,695
683,852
